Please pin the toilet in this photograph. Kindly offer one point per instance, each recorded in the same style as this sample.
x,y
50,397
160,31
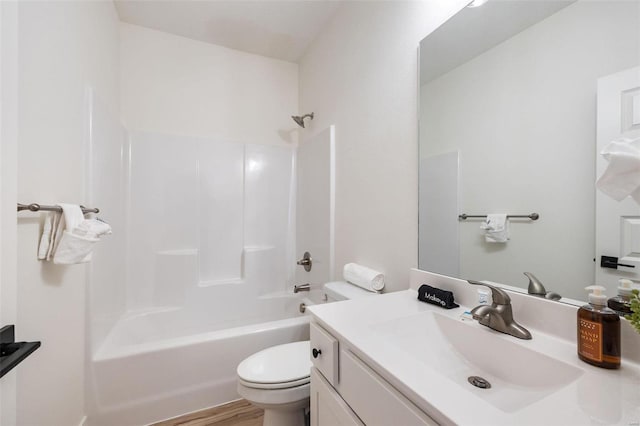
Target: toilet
x,y
277,380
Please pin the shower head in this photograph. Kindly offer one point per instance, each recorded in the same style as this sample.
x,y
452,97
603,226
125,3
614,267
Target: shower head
x,y
300,119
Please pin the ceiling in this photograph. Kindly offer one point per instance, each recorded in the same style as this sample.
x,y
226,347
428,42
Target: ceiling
x,y
473,31
272,28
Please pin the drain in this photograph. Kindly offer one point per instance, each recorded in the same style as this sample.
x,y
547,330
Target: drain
x,y
302,308
479,382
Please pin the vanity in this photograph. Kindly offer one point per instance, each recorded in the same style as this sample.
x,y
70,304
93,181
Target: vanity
x,y
393,360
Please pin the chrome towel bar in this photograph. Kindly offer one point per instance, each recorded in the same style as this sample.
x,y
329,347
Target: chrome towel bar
x,y
532,216
35,207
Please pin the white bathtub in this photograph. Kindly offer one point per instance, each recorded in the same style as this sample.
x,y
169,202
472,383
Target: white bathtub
x,y
161,364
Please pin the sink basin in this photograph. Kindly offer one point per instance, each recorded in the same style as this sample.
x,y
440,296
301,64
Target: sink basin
x,y
458,349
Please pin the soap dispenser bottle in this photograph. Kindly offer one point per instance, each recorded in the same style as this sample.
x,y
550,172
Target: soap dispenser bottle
x,y
598,331
621,303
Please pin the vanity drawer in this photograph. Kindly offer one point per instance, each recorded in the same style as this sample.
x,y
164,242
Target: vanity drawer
x,y
375,400
324,353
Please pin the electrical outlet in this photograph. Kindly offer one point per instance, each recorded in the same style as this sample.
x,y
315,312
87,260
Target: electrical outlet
x,y
484,296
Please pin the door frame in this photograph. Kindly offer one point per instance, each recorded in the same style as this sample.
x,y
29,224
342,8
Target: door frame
x,y
609,213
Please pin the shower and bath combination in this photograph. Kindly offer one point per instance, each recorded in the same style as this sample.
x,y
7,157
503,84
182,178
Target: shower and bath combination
x,y
300,119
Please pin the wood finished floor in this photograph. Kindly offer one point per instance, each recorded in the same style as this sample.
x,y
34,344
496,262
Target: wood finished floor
x,y
236,413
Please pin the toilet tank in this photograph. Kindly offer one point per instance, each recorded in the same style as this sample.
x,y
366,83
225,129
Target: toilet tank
x,y
342,290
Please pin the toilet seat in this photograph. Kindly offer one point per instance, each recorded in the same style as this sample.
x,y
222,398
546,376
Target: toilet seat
x,y
278,367
283,385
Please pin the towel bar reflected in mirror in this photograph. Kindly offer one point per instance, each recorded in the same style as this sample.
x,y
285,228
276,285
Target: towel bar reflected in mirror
x,y
532,216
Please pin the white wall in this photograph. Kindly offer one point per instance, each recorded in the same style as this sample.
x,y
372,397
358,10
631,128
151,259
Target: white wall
x,y
361,75
315,207
8,186
174,85
63,48
523,117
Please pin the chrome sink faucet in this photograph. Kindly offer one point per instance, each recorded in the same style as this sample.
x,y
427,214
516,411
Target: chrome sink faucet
x,y
499,315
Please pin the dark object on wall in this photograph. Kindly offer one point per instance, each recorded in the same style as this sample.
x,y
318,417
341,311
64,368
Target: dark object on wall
x,y
612,262
13,353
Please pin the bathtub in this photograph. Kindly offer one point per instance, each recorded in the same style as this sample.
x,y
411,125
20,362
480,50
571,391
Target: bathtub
x,y
163,363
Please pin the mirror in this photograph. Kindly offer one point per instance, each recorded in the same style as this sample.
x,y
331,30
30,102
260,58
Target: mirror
x,y
508,116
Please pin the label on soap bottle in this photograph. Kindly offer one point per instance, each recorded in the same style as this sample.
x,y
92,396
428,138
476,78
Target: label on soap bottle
x,y
590,344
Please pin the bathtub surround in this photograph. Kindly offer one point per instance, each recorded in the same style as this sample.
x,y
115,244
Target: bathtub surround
x,y
209,205
107,176
207,256
201,212
208,210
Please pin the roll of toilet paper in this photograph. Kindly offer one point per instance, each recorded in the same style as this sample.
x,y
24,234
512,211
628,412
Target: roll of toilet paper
x,y
363,277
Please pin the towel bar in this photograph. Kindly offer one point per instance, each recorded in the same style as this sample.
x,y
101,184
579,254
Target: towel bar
x,y
35,207
532,216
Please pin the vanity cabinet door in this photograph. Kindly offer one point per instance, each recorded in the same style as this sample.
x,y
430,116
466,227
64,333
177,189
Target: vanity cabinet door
x,y
327,407
324,353
376,401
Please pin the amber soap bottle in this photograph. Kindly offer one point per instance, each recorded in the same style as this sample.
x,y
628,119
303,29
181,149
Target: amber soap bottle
x,y
598,331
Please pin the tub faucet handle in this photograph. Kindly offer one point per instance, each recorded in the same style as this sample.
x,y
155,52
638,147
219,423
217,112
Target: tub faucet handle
x,y
306,261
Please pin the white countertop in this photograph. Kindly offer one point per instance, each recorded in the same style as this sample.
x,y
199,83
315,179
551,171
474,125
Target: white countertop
x,y
597,396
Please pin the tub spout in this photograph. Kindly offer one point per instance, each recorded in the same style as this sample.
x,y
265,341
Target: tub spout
x,y
301,287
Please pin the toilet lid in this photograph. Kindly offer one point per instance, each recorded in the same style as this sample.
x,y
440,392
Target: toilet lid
x,y
278,364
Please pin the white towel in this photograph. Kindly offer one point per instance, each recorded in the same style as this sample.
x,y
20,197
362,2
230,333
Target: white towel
x,y
50,237
73,215
496,228
45,240
363,277
621,179
92,228
77,236
57,226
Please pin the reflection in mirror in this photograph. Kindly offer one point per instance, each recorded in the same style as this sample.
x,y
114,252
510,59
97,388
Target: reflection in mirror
x,y
508,118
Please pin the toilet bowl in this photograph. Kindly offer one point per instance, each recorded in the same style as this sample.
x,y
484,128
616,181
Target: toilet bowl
x,y
277,380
